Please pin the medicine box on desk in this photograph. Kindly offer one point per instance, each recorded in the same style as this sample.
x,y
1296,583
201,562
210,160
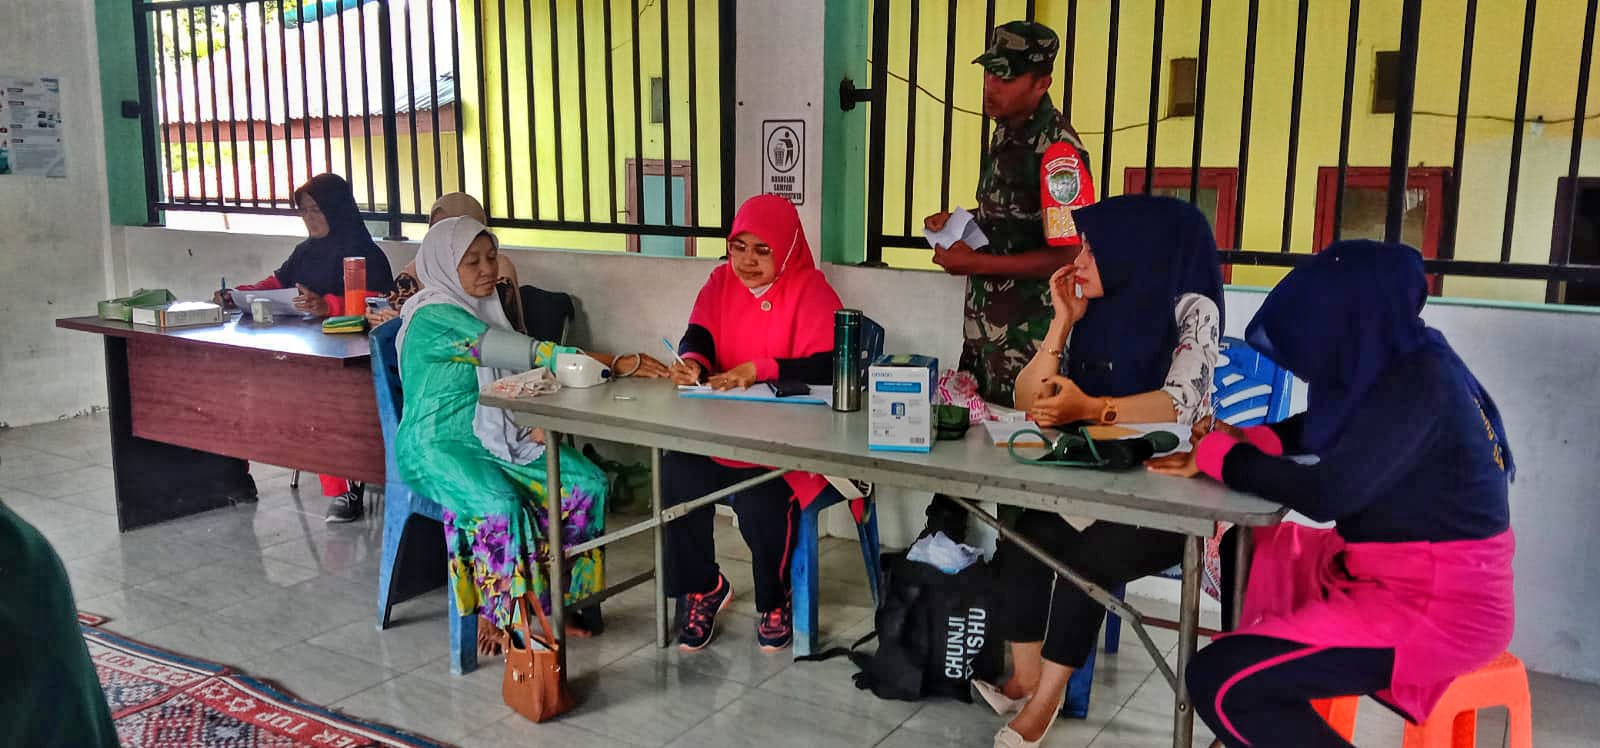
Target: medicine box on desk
x,y
900,403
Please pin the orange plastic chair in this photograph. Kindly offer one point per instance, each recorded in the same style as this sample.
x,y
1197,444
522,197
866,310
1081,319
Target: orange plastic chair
x,y
1340,713
1454,721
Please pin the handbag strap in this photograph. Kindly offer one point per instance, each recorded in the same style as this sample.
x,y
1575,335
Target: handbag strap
x,y
544,622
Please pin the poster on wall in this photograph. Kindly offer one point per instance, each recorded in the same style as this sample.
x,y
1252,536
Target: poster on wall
x,y
32,141
783,159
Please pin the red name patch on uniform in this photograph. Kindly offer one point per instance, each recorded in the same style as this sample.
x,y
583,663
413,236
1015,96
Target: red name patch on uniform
x,y
1064,186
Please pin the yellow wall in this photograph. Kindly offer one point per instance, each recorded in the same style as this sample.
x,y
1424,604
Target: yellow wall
x,y
1558,36
584,133
430,191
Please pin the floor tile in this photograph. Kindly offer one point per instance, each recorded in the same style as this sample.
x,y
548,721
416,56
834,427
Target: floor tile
x,y
78,479
955,722
646,701
217,639
217,586
132,612
407,644
775,721
102,500
830,684
21,467
316,675
419,705
517,732
296,613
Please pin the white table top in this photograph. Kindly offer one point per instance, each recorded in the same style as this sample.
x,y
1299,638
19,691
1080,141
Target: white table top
x,y
817,439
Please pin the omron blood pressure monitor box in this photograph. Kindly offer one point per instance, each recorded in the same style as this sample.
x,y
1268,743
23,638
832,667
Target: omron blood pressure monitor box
x,y
900,403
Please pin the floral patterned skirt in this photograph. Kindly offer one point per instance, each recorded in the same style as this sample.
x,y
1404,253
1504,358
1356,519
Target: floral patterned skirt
x,y
495,559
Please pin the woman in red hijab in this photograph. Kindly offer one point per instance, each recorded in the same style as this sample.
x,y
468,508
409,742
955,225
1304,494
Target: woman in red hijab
x,y
765,314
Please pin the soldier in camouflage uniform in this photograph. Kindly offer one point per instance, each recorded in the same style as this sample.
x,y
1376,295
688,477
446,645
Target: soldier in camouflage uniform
x,y
1008,293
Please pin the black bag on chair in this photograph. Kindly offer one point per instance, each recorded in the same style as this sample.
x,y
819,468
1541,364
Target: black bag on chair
x,y
933,634
546,314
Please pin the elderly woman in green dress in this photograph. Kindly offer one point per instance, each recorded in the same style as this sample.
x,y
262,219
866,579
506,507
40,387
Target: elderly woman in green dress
x,y
487,472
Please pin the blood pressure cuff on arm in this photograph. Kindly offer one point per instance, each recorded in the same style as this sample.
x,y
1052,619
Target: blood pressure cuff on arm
x,y
504,349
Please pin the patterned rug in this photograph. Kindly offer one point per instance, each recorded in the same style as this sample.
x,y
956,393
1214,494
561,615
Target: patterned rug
x,y
164,700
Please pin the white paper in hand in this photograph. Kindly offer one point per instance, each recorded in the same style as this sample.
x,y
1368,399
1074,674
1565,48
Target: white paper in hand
x,y
959,227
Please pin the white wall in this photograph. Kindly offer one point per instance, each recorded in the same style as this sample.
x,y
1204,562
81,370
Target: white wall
x,y
53,232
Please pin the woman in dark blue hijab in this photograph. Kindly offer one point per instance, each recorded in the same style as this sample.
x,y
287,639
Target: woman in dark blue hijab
x,y
1413,585
1134,340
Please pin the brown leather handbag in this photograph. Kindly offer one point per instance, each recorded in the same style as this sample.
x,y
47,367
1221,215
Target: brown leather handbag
x,y
533,685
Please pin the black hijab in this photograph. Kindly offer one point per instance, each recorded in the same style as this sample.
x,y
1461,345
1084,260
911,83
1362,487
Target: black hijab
x,y
318,264
1150,252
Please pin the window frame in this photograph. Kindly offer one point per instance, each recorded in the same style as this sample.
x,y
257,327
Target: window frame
x,y
1223,179
655,167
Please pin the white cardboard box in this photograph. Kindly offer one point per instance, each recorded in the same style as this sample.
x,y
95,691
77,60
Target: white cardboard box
x,y
900,403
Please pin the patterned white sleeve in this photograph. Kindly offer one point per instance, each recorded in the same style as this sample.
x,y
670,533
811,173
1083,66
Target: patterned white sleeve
x,y
1189,382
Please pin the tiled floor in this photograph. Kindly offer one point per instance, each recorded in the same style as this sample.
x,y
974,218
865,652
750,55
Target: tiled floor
x,y
274,591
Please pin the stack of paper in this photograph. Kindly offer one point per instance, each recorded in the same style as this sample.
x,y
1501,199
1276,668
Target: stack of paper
x,y
960,227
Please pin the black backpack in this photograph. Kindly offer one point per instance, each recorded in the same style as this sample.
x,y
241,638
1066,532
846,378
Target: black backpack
x,y
933,631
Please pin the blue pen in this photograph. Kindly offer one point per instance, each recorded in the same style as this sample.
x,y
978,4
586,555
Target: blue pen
x,y
673,351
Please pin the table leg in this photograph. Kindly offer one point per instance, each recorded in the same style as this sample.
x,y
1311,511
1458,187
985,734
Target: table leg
x,y
1244,551
1188,622
553,535
657,533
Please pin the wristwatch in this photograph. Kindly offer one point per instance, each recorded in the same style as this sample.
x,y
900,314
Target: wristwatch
x,y
1108,411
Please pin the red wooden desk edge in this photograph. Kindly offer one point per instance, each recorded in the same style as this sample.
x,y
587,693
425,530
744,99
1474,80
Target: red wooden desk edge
x,y
92,324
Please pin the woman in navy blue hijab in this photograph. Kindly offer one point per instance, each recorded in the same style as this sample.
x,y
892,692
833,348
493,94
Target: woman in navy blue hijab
x,y
1134,340
1412,587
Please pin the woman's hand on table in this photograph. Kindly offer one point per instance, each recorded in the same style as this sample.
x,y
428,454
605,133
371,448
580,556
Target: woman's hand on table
x,y
1182,464
738,377
1177,464
377,317
686,374
626,365
1065,405
310,302
1069,308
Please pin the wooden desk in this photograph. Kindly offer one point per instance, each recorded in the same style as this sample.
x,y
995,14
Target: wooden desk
x,y
190,405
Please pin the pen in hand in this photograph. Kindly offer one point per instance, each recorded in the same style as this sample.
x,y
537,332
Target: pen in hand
x,y
673,351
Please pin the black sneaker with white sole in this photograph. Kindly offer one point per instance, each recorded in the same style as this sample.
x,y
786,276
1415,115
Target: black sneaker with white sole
x,y
345,507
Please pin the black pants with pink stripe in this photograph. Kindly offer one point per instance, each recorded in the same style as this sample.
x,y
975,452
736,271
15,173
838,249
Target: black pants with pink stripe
x,y
1257,690
768,520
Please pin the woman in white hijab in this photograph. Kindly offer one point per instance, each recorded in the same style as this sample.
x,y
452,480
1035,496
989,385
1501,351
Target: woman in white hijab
x,y
479,465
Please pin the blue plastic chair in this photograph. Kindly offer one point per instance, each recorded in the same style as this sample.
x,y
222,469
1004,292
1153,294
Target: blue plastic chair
x,y
1250,390
413,537
803,577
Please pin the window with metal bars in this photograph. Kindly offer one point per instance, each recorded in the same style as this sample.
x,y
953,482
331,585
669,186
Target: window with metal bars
x,y
547,111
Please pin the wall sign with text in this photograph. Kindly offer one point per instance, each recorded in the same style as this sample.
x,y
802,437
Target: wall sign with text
x,y
31,136
783,159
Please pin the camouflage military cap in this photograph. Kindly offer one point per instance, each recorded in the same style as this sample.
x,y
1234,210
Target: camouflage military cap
x,y
1020,47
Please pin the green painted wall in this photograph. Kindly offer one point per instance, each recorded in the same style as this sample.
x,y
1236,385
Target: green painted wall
x,y
119,81
844,134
